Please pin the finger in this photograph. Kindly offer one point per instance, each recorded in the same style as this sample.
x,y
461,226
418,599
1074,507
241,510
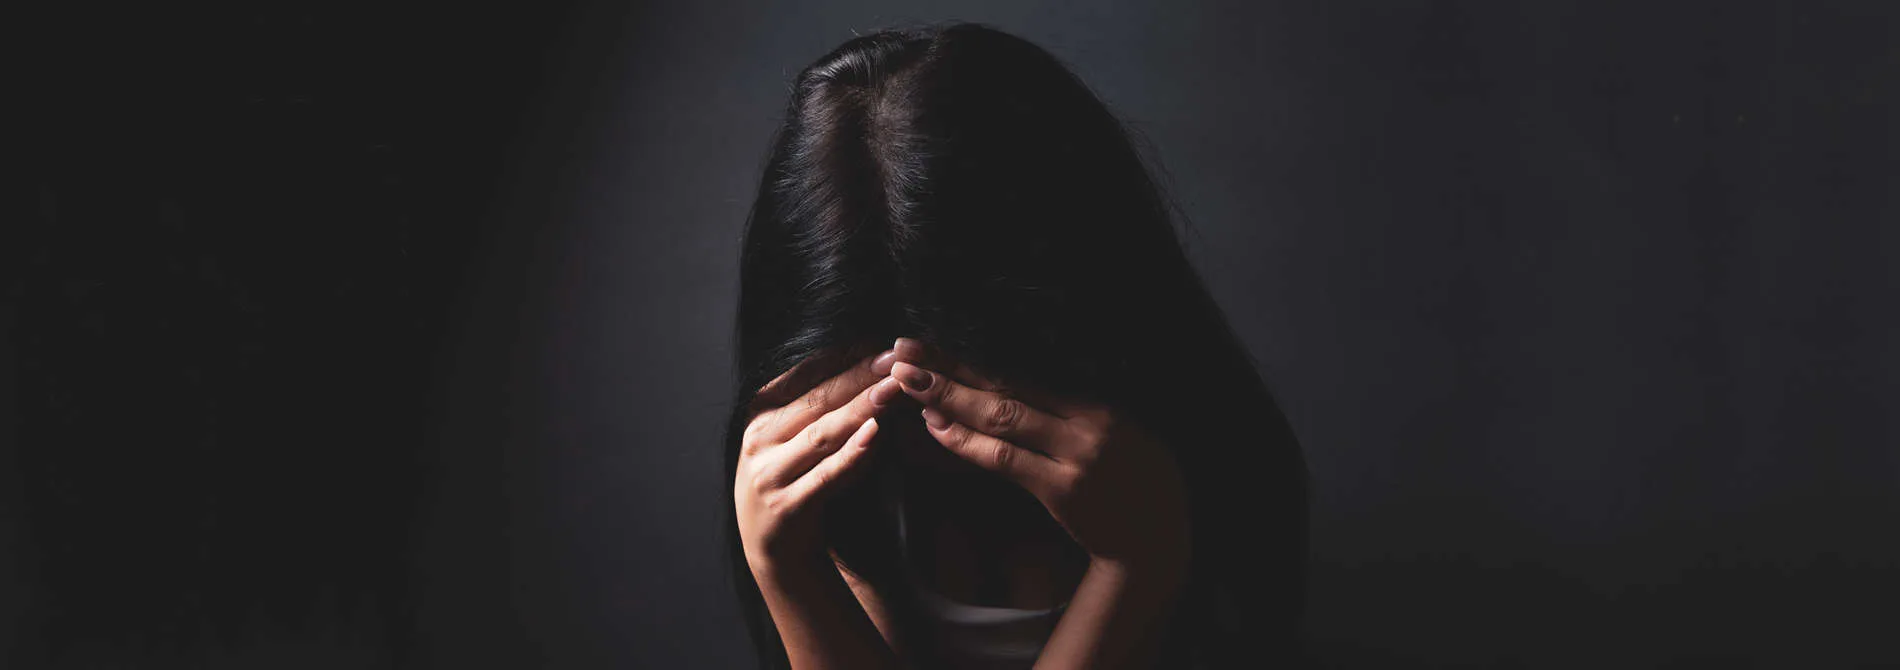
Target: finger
x,y
779,423
917,353
930,358
1034,472
762,410
785,387
826,435
988,412
836,467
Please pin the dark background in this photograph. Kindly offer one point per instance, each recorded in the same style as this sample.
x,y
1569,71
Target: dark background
x,y
397,335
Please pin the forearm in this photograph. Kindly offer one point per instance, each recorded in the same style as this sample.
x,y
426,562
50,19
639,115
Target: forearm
x,y
818,619
1113,619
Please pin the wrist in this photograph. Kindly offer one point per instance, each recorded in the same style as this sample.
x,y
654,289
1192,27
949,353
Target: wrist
x,y
1152,571
786,569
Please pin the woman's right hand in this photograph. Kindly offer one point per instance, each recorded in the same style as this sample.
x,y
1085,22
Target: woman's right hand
x,y
797,450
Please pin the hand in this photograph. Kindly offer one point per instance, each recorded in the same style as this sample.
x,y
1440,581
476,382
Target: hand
x,y
1112,486
795,451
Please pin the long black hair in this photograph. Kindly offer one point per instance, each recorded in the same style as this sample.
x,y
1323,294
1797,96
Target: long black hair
x,y
960,185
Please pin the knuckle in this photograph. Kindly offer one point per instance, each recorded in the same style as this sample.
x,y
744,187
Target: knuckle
x,y
968,435
758,482
1085,437
1003,415
1062,484
817,438
1087,453
821,478
778,503
1001,456
751,444
750,436
1094,430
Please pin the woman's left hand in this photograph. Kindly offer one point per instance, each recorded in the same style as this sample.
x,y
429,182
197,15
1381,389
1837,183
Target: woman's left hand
x,y
1112,486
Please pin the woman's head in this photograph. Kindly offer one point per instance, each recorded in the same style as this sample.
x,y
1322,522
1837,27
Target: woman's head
x,y
959,185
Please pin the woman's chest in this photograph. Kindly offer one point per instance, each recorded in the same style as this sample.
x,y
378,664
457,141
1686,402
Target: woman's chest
x,y
993,555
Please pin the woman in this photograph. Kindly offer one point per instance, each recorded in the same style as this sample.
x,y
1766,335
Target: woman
x,y
987,414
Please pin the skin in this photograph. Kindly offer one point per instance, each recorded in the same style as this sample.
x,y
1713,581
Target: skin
x,y
1114,489
792,453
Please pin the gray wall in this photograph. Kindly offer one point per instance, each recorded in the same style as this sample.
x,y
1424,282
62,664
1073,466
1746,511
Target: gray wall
x,y
1583,314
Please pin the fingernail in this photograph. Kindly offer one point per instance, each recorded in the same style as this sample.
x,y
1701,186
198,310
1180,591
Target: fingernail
x,y
882,364
913,377
886,389
908,347
935,419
